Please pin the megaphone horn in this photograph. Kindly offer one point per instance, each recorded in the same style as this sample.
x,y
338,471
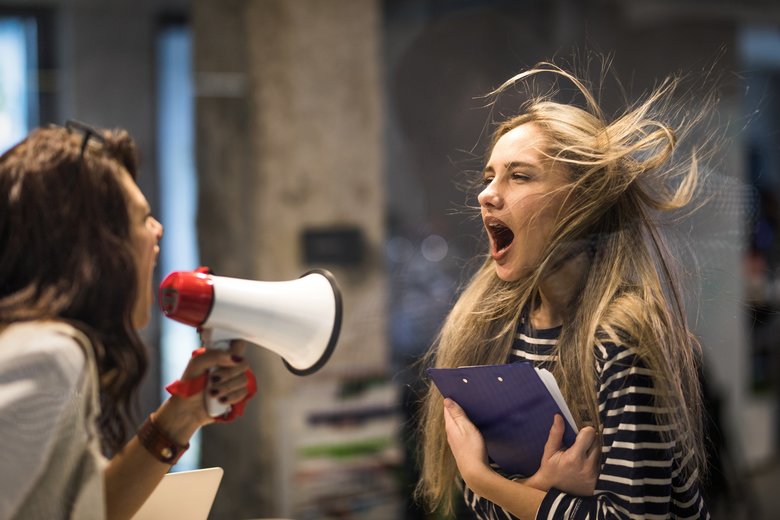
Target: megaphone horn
x,y
299,320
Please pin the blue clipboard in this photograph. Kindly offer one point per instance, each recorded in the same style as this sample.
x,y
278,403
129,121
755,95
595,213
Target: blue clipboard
x,y
512,407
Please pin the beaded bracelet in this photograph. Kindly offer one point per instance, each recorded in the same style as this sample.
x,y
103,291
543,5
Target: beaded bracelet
x,y
158,444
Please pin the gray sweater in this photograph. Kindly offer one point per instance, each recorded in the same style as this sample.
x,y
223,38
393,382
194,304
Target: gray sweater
x,y
51,465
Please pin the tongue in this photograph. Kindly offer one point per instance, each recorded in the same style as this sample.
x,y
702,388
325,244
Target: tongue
x,y
503,237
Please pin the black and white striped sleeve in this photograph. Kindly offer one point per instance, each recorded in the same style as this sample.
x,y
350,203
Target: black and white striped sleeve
x,y
641,469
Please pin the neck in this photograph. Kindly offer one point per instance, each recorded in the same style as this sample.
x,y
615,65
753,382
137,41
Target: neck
x,y
545,316
556,292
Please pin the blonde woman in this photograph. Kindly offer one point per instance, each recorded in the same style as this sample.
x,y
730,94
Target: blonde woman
x,y
578,280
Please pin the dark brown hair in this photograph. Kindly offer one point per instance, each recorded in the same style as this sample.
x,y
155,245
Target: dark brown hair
x,y
65,254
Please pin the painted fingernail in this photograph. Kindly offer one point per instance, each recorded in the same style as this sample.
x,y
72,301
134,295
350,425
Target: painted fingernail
x,y
236,358
213,391
215,379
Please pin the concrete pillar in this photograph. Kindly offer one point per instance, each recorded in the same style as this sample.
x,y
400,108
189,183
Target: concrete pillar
x,y
289,139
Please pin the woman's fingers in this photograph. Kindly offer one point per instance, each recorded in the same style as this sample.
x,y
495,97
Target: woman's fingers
x,y
555,439
233,397
454,410
464,439
231,361
594,455
238,347
221,374
226,380
450,423
209,359
585,441
227,386
457,416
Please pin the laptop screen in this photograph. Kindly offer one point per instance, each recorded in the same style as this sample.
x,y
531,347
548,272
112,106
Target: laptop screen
x,y
185,494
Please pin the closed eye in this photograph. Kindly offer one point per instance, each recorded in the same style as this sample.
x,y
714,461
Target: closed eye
x,y
517,176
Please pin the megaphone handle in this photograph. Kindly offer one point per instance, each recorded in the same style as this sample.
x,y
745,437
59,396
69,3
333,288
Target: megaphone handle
x,y
220,340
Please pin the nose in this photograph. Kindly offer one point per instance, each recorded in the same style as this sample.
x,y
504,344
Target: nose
x,y
490,197
157,228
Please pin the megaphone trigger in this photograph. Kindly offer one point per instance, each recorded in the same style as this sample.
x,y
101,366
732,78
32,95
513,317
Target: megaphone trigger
x,y
216,340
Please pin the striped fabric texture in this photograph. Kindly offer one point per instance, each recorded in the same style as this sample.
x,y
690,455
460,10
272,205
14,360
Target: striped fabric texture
x,y
642,476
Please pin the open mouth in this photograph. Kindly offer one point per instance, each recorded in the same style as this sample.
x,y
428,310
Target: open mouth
x,y
501,235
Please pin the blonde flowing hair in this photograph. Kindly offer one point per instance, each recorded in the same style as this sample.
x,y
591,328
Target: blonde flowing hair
x,y
625,174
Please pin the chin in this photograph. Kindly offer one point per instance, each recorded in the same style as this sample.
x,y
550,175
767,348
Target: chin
x,y
141,317
512,273
140,322
507,275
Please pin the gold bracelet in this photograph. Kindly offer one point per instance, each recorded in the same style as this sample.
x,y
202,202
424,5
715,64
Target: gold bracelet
x,y
158,444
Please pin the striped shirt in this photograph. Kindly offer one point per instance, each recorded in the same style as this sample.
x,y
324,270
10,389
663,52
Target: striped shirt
x,y
641,475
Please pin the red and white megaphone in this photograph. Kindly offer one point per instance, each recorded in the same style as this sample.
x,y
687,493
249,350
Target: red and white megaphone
x,y
298,319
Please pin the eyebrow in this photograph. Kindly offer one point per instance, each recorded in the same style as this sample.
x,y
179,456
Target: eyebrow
x,y
513,164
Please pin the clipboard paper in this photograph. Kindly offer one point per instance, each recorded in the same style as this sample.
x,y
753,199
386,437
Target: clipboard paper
x,y
513,406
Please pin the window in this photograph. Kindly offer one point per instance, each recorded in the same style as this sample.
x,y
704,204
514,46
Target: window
x,y
178,196
18,79
760,53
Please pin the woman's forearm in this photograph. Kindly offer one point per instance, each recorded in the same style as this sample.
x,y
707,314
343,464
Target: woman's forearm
x,y
134,473
130,478
520,499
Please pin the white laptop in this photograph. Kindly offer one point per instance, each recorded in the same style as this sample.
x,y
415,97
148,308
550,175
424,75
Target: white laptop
x,y
185,494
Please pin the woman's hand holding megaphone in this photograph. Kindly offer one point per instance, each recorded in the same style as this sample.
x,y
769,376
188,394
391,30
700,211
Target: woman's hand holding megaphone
x,y
218,404
211,375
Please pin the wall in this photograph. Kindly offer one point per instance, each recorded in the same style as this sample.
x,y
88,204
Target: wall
x,y
289,139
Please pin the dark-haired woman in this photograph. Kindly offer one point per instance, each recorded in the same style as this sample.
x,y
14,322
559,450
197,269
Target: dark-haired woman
x,y
78,245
